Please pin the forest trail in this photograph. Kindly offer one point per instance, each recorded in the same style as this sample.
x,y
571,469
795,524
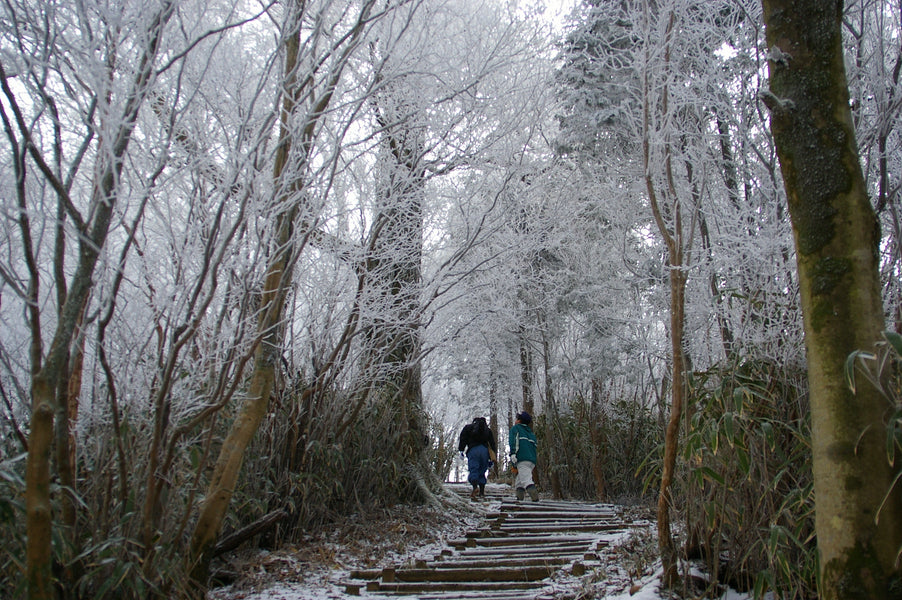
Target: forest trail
x,y
520,550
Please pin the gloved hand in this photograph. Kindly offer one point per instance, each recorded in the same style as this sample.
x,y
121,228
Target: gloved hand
x,y
513,459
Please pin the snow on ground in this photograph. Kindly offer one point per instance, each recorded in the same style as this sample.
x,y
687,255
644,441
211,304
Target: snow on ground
x,y
318,568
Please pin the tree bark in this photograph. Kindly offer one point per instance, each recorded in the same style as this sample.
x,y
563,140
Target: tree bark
x,y
393,274
525,370
837,241
598,428
553,431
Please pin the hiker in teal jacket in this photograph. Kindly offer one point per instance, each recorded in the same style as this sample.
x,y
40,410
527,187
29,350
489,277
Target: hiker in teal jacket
x,y
523,456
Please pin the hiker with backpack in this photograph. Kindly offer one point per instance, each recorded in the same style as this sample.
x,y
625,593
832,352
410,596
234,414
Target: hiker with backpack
x,y
477,444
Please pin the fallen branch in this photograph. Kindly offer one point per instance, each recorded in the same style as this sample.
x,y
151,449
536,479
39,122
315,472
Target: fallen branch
x,y
233,540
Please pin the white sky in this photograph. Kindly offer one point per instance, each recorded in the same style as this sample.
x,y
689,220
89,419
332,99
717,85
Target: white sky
x,y
557,11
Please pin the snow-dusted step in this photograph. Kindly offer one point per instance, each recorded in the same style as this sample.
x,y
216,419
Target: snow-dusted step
x,y
521,548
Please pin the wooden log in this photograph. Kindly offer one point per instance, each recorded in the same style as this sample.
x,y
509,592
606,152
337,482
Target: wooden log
x,y
559,515
502,551
522,540
233,540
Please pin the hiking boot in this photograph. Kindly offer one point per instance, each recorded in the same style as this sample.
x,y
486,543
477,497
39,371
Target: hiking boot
x,y
473,494
533,493
482,492
521,493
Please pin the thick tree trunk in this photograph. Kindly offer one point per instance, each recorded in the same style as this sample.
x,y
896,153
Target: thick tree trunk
x,y
39,516
394,269
525,371
837,241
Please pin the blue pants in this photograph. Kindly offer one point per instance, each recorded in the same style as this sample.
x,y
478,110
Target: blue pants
x,y
477,465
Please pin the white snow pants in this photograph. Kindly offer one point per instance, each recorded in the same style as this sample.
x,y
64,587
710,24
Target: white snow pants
x,y
524,474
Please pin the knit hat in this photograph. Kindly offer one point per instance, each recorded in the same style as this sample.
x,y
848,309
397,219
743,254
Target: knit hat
x,y
524,418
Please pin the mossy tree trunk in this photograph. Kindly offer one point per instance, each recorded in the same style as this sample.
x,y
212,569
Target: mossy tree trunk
x,y
837,242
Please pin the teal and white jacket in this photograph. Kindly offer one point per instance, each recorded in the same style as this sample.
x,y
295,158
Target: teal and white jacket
x,y
523,443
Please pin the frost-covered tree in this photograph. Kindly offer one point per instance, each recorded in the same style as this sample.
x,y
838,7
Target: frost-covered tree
x,y
74,81
874,63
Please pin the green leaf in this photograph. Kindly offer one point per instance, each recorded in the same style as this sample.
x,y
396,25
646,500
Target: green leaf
x,y
742,458
849,370
712,512
711,474
889,493
739,395
891,431
895,340
194,457
775,539
768,430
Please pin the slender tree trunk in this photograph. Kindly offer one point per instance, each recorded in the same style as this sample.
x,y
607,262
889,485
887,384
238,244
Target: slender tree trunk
x,y
493,412
668,214
266,359
296,139
45,381
671,436
837,241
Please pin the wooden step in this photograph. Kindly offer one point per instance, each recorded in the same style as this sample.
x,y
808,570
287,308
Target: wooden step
x,y
511,556
506,561
539,529
520,540
524,573
403,588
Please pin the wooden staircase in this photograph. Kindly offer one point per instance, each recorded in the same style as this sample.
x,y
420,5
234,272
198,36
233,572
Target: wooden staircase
x,y
520,551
